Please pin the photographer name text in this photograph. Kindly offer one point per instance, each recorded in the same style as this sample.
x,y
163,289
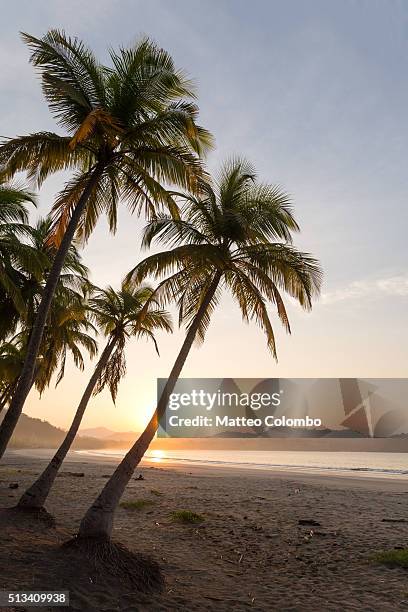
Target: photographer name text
x,y
242,421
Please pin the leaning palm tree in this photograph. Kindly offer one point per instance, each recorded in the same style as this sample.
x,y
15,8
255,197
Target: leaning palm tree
x,y
67,332
236,236
67,324
11,362
73,284
130,131
120,315
29,278
15,253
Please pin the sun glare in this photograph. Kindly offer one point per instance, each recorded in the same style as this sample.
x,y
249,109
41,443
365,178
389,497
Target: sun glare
x,y
157,455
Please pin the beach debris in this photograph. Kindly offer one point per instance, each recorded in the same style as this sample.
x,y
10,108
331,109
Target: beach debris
x,y
309,523
323,534
13,485
394,520
140,477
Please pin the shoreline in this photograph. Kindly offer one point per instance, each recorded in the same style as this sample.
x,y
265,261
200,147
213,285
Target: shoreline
x,y
374,481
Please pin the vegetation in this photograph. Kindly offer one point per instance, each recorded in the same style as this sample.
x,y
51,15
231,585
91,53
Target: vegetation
x,y
36,433
187,517
130,129
130,135
15,254
67,330
235,235
119,315
392,558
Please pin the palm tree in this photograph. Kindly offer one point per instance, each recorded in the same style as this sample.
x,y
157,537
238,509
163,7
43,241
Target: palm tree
x,y
73,285
130,131
120,315
15,253
236,236
67,323
11,362
13,201
66,332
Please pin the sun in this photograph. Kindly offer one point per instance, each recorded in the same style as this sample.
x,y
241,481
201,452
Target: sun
x,y
157,455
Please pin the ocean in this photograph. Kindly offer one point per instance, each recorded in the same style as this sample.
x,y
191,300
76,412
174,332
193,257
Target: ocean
x,y
373,464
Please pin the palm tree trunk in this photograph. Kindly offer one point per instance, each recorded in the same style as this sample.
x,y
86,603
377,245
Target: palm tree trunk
x,y
5,396
24,384
36,495
98,520
11,387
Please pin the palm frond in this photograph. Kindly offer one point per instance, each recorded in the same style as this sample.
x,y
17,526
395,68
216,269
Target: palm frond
x,y
297,273
40,155
13,200
113,372
252,304
145,80
238,231
73,81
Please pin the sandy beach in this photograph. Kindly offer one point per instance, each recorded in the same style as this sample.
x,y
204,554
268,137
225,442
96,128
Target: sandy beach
x,y
249,553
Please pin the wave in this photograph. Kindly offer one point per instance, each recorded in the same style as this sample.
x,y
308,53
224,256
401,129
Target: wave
x,y
289,466
236,462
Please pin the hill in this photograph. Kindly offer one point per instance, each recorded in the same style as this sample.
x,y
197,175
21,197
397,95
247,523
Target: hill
x,y
35,433
103,433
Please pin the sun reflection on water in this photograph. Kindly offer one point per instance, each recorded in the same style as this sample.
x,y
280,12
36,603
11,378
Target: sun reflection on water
x,y
157,456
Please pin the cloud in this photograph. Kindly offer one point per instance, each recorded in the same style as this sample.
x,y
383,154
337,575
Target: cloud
x,y
391,286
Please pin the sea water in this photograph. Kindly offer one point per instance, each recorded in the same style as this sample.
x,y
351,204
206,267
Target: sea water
x,y
380,464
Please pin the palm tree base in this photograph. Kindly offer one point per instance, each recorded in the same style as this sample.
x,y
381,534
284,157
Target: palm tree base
x,y
134,570
94,572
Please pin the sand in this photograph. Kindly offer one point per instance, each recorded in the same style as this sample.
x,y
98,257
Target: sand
x,y
249,553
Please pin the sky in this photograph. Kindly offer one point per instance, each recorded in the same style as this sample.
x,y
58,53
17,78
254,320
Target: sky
x,y
315,94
